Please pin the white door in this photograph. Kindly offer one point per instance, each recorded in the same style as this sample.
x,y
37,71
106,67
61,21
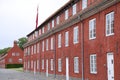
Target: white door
x,y
47,68
67,69
34,67
110,66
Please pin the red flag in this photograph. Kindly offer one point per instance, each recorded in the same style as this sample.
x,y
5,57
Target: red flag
x,y
37,17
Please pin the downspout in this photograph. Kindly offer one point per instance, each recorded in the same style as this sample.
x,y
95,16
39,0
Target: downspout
x,y
82,49
54,39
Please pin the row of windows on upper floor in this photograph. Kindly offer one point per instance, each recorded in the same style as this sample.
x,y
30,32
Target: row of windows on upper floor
x,y
92,35
93,64
52,24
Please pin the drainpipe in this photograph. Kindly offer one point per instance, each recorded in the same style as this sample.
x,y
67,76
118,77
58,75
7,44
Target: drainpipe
x,y
82,49
54,39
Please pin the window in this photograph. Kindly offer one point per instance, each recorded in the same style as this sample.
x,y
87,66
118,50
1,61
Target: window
x,y
92,29
38,48
37,64
20,60
59,65
13,54
52,23
84,4
42,63
93,67
51,43
48,26
42,46
66,38
51,64
66,14
74,9
58,20
28,50
17,54
10,60
34,48
76,65
28,64
75,35
43,30
110,24
32,64
47,44
59,40
36,33
39,31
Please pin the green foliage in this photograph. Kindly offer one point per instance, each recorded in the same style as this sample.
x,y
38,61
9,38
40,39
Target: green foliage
x,y
14,65
4,51
21,42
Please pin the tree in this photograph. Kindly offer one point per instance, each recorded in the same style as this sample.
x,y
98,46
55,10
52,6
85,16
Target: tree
x,y
21,42
5,50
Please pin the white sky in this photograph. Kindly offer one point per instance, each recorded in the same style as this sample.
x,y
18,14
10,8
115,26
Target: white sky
x,y
18,17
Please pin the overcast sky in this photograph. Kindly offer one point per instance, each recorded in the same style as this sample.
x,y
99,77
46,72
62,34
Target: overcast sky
x,y
18,17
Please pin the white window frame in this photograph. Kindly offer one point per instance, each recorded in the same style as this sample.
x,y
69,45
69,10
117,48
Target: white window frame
x,y
36,33
74,9
52,43
76,64
93,64
66,14
39,31
59,65
53,24
43,46
28,50
92,29
76,35
47,44
59,40
110,24
84,4
38,47
43,30
31,64
58,19
10,60
48,26
28,65
37,64
13,54
51,64
42,63
66,38
34,48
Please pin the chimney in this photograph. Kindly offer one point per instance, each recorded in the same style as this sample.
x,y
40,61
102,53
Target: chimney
x,y
15,43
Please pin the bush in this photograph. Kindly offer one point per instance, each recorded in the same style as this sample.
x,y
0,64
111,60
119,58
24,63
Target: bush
x,y
14,65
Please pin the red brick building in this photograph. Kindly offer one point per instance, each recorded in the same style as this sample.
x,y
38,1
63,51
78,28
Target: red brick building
x,y
13,56
79,41
2,61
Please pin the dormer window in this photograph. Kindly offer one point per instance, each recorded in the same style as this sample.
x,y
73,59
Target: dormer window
x,y
52,23
42,29
74,9
84,4
66,14
48,26
58,20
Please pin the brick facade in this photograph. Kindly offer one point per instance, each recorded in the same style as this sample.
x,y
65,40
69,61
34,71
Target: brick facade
x,y
88,56
13,56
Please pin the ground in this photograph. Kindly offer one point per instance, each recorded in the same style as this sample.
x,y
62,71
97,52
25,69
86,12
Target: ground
x,y
10,74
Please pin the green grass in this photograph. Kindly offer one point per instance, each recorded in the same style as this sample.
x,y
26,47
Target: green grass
x,y
18,69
